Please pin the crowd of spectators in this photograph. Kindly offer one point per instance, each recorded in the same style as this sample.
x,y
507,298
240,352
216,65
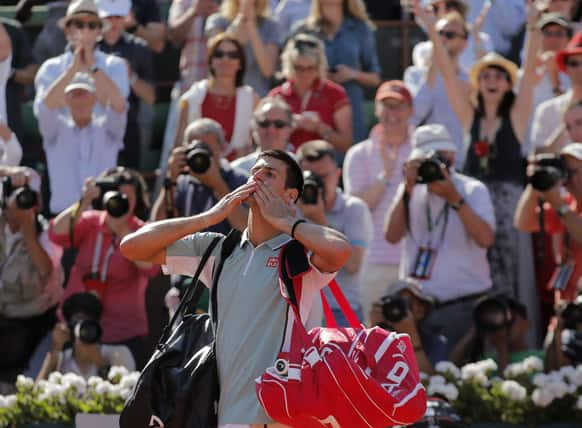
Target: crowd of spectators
x,y
461,203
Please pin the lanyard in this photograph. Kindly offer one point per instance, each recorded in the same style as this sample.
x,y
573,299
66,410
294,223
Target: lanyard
x,y
444,214
97,256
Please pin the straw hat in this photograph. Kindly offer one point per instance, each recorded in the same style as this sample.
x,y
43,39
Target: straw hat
x,y
79,7
495,60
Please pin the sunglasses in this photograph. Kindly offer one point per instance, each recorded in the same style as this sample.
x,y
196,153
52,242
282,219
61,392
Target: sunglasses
x,y
572,63
79,25
304,68
451,35
558,34
277,123
300,44
229,54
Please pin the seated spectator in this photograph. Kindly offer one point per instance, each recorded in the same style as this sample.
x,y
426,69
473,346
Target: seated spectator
x,y
563,342
76,342
321,107
145,21
372,171
350,48
75,133
99,267
561,219
550,113
431,101
441,217
249,22
324,203
222,97
289,12
30,275
477,43
271,126
116,41
498,331
83,27
404,311
192,188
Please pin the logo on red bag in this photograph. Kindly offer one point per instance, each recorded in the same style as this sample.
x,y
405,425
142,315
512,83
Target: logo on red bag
x,y
272,262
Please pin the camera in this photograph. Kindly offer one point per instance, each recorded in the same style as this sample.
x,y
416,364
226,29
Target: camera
x,y
571,313
26,198
394,308
429,170
492,313
111,199
312,185
198,156
87,331
548,170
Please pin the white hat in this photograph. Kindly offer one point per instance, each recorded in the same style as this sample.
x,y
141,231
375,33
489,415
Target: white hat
x,y
429,138
113,8
81,80
573,149
78,7
411,285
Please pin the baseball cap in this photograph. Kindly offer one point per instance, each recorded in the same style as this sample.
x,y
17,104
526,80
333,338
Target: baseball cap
x,y
113,8
394,89
413,286
574,48
431,137
553,18
81,80
573,149
78,7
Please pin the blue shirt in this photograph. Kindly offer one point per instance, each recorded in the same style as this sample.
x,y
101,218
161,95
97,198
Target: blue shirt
x,y
353,45
192,197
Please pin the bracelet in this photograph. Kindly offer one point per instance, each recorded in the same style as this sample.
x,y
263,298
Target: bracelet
x,y
297,223
457,206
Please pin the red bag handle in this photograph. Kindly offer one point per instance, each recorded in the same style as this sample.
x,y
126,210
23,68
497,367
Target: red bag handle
x,y
344,305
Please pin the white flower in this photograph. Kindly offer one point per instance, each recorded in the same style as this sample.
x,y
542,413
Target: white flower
x,y
579,403
103,388
513,390
437,380
94,381
24,382
55,377
558,389
3,402
449,391
115,391
513,370
575,378
542,398
117,372
42,385
487,365
129,381
448,367
540,380
533,364
76,382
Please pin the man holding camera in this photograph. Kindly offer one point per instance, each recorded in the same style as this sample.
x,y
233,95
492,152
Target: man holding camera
x,y
324,203
447,222
199,176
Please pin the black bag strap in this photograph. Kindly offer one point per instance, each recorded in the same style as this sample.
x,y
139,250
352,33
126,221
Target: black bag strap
x,y
193,293
228,245
293,262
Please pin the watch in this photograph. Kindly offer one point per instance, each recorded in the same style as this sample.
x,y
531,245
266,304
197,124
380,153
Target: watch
x,y
93,69
457,206
562,210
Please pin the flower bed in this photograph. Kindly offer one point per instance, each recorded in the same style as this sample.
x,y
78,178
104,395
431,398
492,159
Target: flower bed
x,y
525,395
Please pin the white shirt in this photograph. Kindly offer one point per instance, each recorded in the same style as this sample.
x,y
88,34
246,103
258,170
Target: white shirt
x,y
461,267
114,355
73,153
548,116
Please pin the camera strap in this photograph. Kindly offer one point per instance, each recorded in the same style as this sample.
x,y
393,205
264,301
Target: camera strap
x,y
442,215
97,256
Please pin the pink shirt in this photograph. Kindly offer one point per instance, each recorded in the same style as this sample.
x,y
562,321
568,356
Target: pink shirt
x,y
362,165
124,313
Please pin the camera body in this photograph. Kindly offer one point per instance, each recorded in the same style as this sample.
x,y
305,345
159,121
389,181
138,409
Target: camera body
x,y
312,185
111,199
492,314
571,313
198,157
549,169
87,331
394,308
429,169
26,198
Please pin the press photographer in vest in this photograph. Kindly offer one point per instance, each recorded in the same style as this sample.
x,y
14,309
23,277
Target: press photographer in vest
x,y
30,271
198,176
446,220
323,202
404,311
112,206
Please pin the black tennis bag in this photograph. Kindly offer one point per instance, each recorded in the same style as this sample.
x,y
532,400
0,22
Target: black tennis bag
x,y
178,388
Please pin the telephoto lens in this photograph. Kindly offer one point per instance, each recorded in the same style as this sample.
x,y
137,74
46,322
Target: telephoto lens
x,y
116,203
547,171
87,331
429,169
198,157
394,308
312,185
25,197
492,313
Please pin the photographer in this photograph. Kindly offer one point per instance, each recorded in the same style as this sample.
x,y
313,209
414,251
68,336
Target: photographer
x,y
404,311
30,272
564,339
446,220
99,266
325,204
198,176
76,342
499,330
547,176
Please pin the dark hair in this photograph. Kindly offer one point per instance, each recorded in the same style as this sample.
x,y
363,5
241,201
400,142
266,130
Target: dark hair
x,y
86,303
314,150
123,175
504,108
213,45
294,179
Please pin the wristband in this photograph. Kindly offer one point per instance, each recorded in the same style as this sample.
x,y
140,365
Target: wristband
x,y
297,223
457,206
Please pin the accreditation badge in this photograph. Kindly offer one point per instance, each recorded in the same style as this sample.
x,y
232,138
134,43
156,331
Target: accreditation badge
x,y
424,262
561,276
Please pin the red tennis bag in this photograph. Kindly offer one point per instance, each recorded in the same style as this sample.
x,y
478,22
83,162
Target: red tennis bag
x,y
341,377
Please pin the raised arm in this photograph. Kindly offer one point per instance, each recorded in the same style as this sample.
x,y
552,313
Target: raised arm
x,y
526,217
